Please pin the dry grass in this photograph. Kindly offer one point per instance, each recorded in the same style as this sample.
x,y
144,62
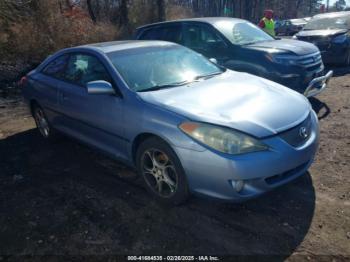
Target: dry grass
x,y
33,38
43,28
174,12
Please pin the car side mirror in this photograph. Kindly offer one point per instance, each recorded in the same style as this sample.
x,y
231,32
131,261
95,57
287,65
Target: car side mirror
x,y
213,60
100,87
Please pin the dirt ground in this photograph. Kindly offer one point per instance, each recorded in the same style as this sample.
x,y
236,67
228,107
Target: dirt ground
x,y
65,199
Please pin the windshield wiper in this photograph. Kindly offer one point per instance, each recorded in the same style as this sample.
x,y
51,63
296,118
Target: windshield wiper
x,y
208,75
158,87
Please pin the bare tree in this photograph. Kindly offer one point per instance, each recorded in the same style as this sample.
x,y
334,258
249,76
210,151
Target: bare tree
x,y
161,10
91,11
124,18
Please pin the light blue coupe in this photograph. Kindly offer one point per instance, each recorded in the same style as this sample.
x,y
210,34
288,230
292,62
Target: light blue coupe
x,y
186,124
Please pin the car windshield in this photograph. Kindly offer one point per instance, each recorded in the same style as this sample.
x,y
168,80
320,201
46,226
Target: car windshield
x,y
242,33
340,22
151,68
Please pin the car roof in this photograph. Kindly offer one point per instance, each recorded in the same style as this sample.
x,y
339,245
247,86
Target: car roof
x,y
107,47
333,14
208,20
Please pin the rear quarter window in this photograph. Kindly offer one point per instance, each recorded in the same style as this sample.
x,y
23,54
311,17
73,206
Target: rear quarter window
x,y
151,34
56,67
171,33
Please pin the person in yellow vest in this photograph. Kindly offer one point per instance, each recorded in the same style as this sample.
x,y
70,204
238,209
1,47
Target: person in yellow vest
x,y
267,24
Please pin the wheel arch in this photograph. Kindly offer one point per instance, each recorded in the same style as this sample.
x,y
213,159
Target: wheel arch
x,y
140,138
32,104
183,191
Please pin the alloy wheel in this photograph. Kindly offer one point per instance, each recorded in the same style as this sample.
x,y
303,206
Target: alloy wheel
x,y
159,172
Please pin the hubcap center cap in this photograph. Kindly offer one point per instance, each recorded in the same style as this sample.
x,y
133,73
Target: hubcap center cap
x,y
157,172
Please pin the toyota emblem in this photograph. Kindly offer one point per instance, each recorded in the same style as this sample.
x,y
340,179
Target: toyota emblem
x,y
303,132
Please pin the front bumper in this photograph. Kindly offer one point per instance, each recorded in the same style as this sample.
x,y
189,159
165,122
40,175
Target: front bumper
x,y
300,79
318,84
334,53
215,175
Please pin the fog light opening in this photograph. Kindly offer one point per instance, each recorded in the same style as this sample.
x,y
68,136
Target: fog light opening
x,y
237,185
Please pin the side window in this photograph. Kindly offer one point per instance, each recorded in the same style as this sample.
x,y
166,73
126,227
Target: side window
x,y
192,37
209,36
56,67
172,34
152,34
82,69
203,40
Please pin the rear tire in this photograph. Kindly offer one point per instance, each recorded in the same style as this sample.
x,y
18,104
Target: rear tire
x,y
162,171
43,125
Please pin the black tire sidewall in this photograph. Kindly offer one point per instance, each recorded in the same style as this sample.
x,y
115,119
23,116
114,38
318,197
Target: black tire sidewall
x,y
182,191
52,133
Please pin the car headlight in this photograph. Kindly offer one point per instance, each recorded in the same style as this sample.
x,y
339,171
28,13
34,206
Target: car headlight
x,y
222,139
294,37
339,39
283,59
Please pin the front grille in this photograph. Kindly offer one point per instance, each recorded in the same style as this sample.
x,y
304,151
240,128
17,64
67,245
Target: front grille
x,y
280,177
299,134
311,62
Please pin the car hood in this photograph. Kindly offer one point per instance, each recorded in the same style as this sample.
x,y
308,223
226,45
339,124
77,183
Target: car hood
x,y
328,32
286,45
237,100
299,24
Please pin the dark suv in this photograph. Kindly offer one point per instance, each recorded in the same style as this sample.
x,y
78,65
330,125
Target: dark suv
x,y
331,34
239,45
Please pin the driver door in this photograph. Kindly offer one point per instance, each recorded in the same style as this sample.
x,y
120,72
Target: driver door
x,y
95,119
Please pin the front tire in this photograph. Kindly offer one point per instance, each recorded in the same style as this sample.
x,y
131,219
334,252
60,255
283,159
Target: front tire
x,y
162,172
